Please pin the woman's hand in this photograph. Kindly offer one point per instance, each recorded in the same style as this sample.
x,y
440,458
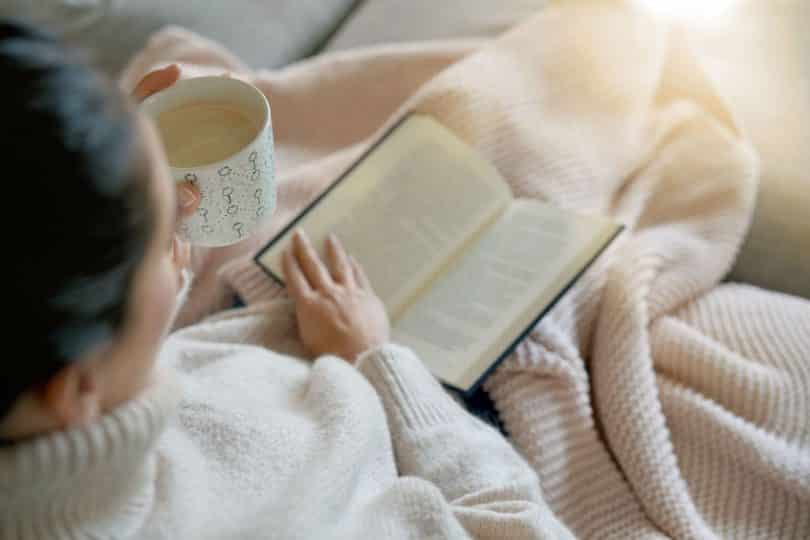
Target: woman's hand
x,y
338,312
188,195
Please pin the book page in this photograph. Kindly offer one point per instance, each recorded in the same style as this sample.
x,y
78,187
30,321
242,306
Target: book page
x,y
405,209
488,296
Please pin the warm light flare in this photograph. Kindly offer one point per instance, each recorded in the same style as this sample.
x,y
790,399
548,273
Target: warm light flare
x,y
687,10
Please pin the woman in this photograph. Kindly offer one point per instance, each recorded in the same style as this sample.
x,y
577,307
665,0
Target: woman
x,y
111,429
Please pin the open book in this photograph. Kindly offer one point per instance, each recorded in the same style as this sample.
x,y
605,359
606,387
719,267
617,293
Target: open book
x,y
464,269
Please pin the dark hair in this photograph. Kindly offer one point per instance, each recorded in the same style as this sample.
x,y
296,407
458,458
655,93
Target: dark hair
x,y
76,206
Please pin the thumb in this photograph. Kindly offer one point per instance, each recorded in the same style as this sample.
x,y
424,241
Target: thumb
x,y
188,198
155,81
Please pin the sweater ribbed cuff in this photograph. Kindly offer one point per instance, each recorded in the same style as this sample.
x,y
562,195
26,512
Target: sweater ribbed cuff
x,y
410,394
250,281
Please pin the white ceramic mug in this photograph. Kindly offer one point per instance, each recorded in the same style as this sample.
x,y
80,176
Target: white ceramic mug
x,y
239,191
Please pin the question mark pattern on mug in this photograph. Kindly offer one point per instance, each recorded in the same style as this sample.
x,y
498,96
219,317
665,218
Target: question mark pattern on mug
x,y
258,194
227,192
255,173
228,205
238,226
206,228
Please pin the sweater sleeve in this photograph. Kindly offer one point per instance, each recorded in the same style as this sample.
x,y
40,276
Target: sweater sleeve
x,y
487,485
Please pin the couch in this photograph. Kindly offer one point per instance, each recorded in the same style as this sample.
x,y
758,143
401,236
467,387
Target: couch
x,y
755,54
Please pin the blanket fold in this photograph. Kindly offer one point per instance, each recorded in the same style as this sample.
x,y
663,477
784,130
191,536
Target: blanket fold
x,y
652,402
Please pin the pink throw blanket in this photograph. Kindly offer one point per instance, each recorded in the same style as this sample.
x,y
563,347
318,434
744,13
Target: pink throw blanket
x,y
652,402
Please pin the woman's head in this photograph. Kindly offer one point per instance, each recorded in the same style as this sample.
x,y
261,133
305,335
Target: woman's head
x,y
89,212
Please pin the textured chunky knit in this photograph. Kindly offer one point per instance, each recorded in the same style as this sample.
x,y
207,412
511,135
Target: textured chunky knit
x,y
652,402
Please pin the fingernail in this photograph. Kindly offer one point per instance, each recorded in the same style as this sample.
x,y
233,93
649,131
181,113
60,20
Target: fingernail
x,y
298,238
187,197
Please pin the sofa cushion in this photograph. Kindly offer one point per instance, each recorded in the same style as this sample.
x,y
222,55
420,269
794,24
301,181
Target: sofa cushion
x,y
269,33
386,21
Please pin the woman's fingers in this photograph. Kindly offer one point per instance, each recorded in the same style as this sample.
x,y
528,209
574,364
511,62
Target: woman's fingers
x,y
155,81
188,199
305,265
181,252
338,261
359,274
296,280
310,263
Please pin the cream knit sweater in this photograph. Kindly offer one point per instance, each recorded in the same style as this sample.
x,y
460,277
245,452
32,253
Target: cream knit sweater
x,y
268,445
651,402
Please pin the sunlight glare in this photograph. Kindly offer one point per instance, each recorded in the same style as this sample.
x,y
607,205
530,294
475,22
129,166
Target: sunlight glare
x,y
687,10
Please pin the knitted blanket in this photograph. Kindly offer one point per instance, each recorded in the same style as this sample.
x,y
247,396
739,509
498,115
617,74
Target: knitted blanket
x,y
652,401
